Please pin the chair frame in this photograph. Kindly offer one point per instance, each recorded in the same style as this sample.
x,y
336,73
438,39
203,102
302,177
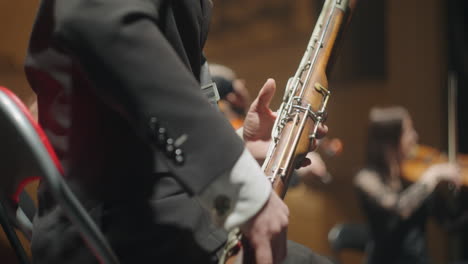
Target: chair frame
x,y
51,171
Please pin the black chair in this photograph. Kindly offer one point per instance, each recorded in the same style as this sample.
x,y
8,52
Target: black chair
x,y
348,236
25,154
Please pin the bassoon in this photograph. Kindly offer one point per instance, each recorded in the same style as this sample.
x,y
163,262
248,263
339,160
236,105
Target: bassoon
x,y
302,111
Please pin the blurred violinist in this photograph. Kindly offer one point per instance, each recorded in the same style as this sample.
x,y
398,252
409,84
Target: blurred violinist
x,y
397,212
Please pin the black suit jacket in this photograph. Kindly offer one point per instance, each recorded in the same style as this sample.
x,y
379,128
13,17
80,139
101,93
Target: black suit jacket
x,y
111,77
102,69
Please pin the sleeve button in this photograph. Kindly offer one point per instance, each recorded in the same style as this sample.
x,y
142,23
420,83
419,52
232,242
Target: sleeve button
x,y
179,159
170,148
153,123
162,136
179,156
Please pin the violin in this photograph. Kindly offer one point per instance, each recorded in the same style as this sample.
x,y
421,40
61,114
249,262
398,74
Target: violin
x,y
236,119
423,156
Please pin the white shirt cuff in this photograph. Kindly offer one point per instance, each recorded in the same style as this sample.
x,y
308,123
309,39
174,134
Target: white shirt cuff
x,y
237,196
240,132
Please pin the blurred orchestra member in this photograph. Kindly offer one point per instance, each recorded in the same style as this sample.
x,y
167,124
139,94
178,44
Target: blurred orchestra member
x,y
397,212
234,97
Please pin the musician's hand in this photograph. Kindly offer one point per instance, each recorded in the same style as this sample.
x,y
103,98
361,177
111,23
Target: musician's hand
x,y
267,231
260,118
316,171
444,172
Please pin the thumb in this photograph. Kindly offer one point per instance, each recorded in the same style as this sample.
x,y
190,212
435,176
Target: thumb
x,y
266,94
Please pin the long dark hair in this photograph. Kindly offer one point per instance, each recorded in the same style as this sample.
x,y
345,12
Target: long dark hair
x,y
384,135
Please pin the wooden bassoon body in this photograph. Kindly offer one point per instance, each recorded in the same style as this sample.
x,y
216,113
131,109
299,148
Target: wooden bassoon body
x,y
302,111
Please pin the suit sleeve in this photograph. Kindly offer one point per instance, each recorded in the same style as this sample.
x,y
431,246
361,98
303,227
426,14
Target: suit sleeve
x,y
136,72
